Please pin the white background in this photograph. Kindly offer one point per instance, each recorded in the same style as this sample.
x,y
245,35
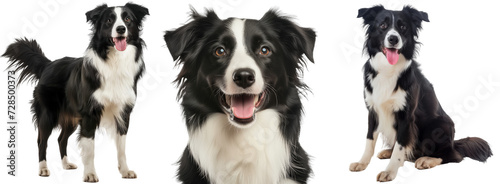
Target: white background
x,y
460,48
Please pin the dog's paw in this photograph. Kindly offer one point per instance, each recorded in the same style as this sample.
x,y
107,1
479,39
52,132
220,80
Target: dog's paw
x,y
385,154
129,174
427,162
44,172
69,166
385,176
357,166
90,177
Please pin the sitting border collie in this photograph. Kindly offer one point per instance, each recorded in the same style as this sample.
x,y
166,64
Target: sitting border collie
x,y
97,90
402,103
240,88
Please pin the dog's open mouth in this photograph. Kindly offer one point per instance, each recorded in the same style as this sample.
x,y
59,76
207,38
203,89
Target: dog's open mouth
x,y
120,43
391,54
242,107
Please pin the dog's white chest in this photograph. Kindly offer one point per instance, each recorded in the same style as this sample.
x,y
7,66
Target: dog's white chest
x,y
385,98
117,76
253,155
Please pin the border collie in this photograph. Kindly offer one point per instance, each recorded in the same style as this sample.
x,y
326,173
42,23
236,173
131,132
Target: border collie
x,y
240,86
96,90
402,103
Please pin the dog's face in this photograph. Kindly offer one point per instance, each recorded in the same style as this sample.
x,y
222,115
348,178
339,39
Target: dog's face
x,y
117,26
392,32
244,62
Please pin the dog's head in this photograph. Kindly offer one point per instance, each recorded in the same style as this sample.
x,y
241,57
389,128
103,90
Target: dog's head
x,y
116,26
246,63
392,32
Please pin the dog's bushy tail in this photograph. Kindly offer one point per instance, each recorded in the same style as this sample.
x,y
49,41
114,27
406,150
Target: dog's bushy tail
x,y
26,55
473,147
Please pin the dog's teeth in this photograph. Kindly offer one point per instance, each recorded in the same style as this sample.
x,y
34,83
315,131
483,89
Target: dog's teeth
x,y
228,100
256,99
231,115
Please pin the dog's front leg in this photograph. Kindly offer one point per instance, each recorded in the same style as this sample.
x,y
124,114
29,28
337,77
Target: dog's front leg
x,y
397,159
122,158
371,140
404,139
88,127
120,139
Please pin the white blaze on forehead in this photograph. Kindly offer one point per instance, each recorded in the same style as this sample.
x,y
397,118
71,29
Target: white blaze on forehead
x,y
118,22
241,59
393,32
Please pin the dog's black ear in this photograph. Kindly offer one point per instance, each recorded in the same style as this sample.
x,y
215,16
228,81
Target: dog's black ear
x,y
369,14
295,38
416,16
93,15
182,40
139,11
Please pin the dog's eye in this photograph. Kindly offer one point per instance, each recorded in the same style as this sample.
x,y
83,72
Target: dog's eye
x,y
403,27
127,19
383,26
264,51
109,20
220,51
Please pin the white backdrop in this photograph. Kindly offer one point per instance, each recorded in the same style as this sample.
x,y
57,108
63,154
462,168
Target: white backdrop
x,y
459,53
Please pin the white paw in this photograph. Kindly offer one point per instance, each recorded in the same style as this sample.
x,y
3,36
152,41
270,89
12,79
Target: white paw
x,y
129,174
386,176
385,154
90,177
427,162
357,166
44,172
69,166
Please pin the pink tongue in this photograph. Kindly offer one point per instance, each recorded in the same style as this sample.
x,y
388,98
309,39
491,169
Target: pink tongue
x,y
120,44
392,56
243,106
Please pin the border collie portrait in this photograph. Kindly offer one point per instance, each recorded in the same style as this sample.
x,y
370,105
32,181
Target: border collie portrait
x,y
96,90
402,103
240,86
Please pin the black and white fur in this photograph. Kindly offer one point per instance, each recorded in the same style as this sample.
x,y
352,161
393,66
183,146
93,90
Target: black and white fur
x,y
225,61
402,103
96,90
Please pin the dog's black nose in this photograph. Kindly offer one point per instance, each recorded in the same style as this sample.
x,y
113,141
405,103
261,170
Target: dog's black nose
x,y
244,77
120,29
393,40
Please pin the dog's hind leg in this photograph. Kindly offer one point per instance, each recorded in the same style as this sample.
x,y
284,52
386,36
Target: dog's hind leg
x,y
43,135
68,126
385,154
427,162
437,145
45,107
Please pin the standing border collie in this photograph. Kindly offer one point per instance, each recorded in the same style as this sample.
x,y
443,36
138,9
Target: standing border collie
x,y
402,103
240,87
98,90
